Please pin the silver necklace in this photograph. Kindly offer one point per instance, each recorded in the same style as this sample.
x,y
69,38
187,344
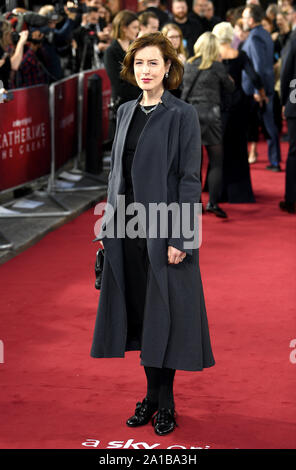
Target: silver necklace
x,y
147,111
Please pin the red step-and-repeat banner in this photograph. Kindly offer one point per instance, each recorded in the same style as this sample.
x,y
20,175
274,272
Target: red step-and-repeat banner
x,y
24,137
25,132
65,120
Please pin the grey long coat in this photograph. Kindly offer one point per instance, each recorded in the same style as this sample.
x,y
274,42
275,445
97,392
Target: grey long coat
x,y
166,168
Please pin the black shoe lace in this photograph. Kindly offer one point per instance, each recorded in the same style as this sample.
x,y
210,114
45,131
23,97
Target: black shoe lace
x,y
165,415
141,408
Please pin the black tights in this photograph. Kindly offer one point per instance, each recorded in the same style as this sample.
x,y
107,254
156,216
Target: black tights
x,y
160,386
215,154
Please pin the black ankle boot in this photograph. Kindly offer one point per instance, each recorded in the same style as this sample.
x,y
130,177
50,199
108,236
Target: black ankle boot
x,y
164,421
143,413
215,209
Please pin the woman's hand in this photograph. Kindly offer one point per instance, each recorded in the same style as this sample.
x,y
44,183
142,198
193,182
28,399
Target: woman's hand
x,y
102,244
175,256
23,36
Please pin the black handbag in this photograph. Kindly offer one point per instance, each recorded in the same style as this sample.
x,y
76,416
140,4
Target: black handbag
x,y
99,267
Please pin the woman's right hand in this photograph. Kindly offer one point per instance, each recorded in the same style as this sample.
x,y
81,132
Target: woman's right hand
x,y
102,244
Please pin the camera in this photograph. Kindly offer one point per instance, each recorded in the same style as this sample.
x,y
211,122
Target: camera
x,y
80,8
30,19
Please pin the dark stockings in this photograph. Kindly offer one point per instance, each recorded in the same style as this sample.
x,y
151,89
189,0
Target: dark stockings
x,y
160,386
215,153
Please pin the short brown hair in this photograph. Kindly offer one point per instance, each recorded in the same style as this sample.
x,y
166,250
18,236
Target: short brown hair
x,y
168,52
144,17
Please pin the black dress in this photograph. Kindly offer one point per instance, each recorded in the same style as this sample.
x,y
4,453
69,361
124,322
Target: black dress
x,y
237,187
120,89
136,262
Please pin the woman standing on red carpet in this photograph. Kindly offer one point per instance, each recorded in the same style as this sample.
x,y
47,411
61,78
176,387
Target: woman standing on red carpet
x,y
152,295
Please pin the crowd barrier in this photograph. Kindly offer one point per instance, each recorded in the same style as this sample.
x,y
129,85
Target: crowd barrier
x,y
44,127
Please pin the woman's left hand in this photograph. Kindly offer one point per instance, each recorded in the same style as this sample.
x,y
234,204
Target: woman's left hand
x,y
175,256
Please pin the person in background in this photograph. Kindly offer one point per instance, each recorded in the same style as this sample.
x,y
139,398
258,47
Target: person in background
x,y
93,3
283,4
31,71
56,39
105,21
280,39
114,6
174,34
10,60
198,13
154,7
91,41
107,14
260,50
210,16
288,73
239,34
125,29
281,36
237,186
149,23
271,12
253,2
191,30
268,25
230,16
205,80
253,123
289,12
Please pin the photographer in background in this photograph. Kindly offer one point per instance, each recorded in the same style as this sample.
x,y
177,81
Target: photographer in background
x,y
10,60
90,41
31,72
57,42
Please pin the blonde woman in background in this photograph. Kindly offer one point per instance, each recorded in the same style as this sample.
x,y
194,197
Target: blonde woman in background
x,y
205,80
237,187
175,35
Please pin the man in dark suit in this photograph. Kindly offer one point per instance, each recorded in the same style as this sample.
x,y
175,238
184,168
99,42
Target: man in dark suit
x,y
288,95
259,48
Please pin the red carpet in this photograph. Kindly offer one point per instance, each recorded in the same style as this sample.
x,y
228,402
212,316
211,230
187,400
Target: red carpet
x,y
54,395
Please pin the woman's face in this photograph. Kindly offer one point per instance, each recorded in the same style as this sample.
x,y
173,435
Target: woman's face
x,y
240,33
281,21
132,30
267,26
150,68
175,38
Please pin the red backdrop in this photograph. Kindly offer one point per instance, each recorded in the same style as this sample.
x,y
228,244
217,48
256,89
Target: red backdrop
x,y
65,115
24,137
